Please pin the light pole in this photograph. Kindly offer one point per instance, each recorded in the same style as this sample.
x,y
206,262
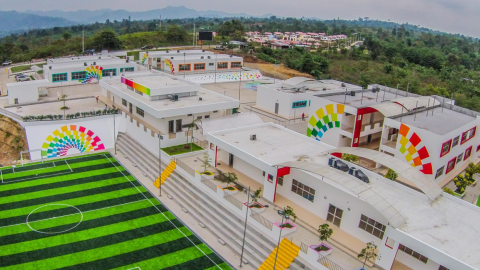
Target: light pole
x,y
240,84
274,73
114,135
245,229
287,217
160,137
396,92
184,54
216,55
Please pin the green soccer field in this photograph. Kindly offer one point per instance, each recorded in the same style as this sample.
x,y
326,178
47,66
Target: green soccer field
x,y
90,213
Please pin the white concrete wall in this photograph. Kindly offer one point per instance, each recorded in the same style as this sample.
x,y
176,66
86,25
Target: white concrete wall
x,y
48,73
25,92
267,97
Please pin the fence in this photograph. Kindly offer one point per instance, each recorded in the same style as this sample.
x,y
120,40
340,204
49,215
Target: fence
x,y
209,184
234,201
260,219
304,248
185,167
329,264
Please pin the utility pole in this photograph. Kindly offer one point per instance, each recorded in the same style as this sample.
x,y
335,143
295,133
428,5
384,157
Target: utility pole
x,y
83,40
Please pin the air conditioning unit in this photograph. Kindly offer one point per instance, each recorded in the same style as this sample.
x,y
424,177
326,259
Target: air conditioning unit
x,y
201,57
203,50
175,97
128,60
99,57
178,51
343,85
200,98
209,57
85,63
231,55
253,137
352,93
171,57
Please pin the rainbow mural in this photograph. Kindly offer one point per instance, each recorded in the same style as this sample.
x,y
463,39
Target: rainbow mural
x,y
136,86
144,58
92,72
170,65
410,146
68,137
324,119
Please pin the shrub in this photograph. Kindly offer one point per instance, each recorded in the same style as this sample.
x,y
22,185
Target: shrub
x,y
391,174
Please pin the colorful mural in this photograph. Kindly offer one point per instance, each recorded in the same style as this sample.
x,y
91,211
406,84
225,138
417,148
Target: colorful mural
x,y
144,58
411,146
170,65
324,119
136,86
236,76
253,85
92,72
68,137
224,77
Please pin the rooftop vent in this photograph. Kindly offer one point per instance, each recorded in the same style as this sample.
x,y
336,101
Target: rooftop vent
x,y
171,57
203,50
200,98
209,57
168,51
231,55
253,137
94,63
49,67
352,93
175,98
99,57
85,63
178,51
343,85
128,60
201,57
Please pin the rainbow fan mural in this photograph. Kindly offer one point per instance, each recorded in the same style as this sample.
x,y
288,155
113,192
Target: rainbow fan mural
x,y
324,119
68,137
136,86
144,58
411,147
92,72
170,65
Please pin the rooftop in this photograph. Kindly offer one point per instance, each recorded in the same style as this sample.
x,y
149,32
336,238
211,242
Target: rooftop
x,y
445,224
302,85
199,57
359,101
98,62
179,52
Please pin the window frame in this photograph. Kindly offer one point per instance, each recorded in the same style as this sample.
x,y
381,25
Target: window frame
x,y
334,215
109,69
76,72
125,69
373,225
443,170
204,66
454,160
460,157
66,77
442,153
139,111
413,253
189,67
124,102
455,142
236,62
218,64
299,186
474,129
469,150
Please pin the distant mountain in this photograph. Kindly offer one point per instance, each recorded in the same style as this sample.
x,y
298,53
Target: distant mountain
x,y
87,16
13,21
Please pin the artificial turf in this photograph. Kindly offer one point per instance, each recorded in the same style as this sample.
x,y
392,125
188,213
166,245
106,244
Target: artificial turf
x,y
90,213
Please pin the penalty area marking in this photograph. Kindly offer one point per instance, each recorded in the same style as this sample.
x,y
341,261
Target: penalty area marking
x,y
81,218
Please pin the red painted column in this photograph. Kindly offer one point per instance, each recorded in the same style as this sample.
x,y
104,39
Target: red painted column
x,y
358,124
216,154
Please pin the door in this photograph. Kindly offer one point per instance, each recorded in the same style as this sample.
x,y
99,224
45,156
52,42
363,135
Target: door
x,y
15,101
130,107
369,138
171,124
179,125
230,160
276,108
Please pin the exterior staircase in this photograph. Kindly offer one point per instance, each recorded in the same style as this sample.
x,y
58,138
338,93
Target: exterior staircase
x,y
287,252
166,173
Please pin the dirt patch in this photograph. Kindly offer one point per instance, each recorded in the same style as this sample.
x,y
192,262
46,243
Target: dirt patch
x,y
12,141
280,72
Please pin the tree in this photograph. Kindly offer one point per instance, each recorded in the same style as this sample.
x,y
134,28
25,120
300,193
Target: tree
x,y
368,253
66,35
349,158
449,191
256,195
64,99
230,177
391,174
176,34
206,162
196,124
106,39
289,211
461,183
388,68
325,232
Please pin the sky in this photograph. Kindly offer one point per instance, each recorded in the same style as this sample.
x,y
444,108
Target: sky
x,y
452,16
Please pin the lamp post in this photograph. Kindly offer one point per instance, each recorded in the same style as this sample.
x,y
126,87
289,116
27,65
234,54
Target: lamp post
x,y
245,229
286,217
274,73
160,137
396,92
184,54
216,55
240,84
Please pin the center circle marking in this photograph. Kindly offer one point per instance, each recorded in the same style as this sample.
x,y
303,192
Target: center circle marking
x,y
80,212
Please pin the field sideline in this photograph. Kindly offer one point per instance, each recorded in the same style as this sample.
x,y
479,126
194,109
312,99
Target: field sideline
x,y
88,212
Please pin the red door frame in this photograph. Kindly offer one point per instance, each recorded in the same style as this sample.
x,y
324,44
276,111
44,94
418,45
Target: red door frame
x,y
358,124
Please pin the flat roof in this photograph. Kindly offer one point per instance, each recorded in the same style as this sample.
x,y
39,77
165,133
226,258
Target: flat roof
x,y
154,81
98,62
369,98
173,52
307,85
199,57
441,122
447,224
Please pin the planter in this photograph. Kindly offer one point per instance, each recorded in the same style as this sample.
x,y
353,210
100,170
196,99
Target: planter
x,y
288,228
256,206
229,190
208,176
322,249
460,195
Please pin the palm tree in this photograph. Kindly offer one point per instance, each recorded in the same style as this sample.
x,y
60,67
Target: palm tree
x,y
196,124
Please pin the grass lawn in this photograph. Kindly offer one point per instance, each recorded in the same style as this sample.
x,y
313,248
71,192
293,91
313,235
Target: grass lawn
x,y
20,68
180,149
478,201
88,212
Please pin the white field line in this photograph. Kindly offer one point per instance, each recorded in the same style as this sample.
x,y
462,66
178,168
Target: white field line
x,y
69,166
74,214
164,215
37,169
33,178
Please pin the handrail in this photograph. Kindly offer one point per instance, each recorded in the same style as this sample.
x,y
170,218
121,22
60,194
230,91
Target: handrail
x,y
304,247
209,184
328,263
234,201
262,220
185,167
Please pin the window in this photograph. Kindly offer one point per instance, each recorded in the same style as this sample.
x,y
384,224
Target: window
x,y
199,66
130,69
439,172
211,146
270,178
455,141
467,135
189,114
263,173
207,116
211,64
109,72
124,102
280,181
236,65
140,112
78,75
442,268
222,65
468,152
446,148
159,60
413,253
184,67
217,112
451,165
459,158
303,190
334,215
199,117
138,92
59,77
372,226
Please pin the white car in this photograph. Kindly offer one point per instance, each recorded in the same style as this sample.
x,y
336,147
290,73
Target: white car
x,y
23,78
6,63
